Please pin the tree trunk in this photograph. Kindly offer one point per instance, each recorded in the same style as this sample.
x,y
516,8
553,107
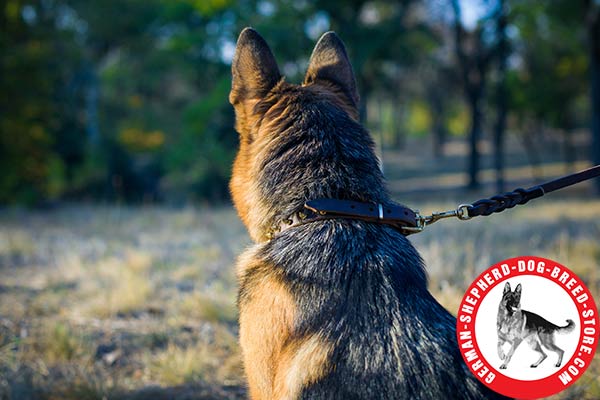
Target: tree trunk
x,y
501,100
568,150
594,42
439,137
474,69
474,136
91,106
439,130
398,131
595,70
532,152
499,139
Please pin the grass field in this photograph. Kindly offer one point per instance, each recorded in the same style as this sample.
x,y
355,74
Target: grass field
x,y
136,303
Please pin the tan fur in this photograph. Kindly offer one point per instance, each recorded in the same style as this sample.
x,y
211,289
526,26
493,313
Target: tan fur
x,y
240,183
266,320
256,139
278,362
297,143
301,363
246,196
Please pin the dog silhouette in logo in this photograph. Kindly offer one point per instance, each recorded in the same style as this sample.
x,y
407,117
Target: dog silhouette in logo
x,y
515,325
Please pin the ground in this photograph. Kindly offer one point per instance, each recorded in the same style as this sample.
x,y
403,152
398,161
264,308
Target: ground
x,y
119,302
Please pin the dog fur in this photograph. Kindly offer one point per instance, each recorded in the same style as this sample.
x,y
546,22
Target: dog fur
x,y
333,309
515,325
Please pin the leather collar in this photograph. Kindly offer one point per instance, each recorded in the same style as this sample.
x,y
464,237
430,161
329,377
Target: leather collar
x,y
402,218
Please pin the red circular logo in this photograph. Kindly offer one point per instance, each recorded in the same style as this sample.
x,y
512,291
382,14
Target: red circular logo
x,y
527,327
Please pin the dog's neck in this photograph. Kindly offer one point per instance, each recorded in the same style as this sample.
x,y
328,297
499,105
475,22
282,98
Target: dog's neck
x,y
399,217
319,153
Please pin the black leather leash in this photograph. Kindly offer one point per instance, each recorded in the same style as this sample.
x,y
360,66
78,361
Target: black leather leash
x,y
501,202
410,221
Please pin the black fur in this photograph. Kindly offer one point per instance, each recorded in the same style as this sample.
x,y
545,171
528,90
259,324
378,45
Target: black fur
x,y
362,285
359,285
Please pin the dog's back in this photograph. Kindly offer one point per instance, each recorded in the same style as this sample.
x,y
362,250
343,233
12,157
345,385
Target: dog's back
x,y
332,309
360,296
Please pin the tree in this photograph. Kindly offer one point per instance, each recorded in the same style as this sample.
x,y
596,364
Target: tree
x,y
501,95
549,88
474,66
593,29
38,118
128,99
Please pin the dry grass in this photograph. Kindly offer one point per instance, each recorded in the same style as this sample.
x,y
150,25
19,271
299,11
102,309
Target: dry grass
x,y
120,286
107,303
215,307
216,361
99,303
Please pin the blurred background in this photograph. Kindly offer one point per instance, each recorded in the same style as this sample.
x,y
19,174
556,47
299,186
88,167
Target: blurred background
x,y
117,236
127,100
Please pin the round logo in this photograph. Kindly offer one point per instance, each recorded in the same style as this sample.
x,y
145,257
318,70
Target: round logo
x,y
527,327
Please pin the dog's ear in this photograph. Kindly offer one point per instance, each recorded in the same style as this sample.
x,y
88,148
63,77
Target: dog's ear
x,y
518,291
329,63
506,288
254,68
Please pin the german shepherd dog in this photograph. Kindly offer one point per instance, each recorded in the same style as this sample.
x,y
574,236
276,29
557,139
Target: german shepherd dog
x,y
515,325
338,308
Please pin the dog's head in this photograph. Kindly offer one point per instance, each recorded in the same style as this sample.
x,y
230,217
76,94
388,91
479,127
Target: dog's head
x,y
511,300
297,142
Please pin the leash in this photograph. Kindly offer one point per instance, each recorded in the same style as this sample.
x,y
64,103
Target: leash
x,y
410,221
501,202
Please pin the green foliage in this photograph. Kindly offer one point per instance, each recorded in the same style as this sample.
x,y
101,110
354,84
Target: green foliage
x,y
458,121
419,121
30,80
128,99
201,157
553,74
